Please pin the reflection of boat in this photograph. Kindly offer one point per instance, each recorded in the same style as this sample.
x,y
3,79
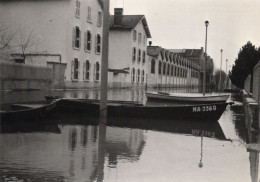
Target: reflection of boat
x,y
186,97
197,128
27,111
192,112
29,127
204,128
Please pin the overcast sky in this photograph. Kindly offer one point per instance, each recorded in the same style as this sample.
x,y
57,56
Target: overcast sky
x,y
177,24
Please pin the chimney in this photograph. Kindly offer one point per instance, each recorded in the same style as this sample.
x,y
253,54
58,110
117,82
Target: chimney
x,y
150,43
118,15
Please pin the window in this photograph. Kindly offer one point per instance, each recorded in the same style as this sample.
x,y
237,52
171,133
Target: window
x,y
138,75
168,69
139,55
160,68
87,41
139,38
99,21
96,71
175,72
77,14
134,54
133,75
75,69
144,40
153,66
164,68
76,38
144,55
172,70
134,35
89,15
98,44
143,76
86,70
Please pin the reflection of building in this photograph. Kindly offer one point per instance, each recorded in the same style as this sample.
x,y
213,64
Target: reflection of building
x,y
127,49
168,68
123,143
254,161
71,154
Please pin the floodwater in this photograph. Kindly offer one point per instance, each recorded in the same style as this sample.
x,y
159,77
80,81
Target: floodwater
x,y
74,147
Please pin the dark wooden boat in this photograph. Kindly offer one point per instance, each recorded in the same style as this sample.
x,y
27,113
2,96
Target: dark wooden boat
x,y
27,111
128,109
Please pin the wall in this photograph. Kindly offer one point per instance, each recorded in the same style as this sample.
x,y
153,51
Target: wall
x,y
256,82
120,50
20,76
247,84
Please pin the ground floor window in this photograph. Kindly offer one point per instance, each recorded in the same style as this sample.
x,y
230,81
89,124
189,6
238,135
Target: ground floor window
x,y
97,71
133,75
86,69
138,75
75,69
142,76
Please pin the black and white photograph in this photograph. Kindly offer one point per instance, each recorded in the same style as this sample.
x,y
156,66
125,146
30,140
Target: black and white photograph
x,y
129,90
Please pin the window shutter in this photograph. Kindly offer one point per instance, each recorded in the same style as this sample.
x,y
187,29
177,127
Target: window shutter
x,y
94,76
85,40
79,7
72,69
84,70
79,38
96,44
73,36
78,69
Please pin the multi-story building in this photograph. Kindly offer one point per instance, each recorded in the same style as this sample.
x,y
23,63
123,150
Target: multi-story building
x,y
170,69
198,56
71,29
128,49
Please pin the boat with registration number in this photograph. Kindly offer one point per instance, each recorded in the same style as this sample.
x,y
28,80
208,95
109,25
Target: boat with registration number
x,y
186,97
133,109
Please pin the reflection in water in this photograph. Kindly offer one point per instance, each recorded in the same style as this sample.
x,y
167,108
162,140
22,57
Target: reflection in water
x,y
78,149
201,153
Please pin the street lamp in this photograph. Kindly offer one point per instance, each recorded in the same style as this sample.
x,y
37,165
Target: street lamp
x,y
219,82
204,65
226,73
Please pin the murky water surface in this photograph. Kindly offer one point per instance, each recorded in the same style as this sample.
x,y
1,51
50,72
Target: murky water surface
x,y
76,148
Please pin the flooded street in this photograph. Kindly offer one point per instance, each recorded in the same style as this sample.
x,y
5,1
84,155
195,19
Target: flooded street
x,y
74,147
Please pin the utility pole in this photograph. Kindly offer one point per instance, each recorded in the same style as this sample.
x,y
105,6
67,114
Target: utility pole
x,y
104,64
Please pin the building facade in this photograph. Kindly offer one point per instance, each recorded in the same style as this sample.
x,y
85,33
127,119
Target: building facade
x,y
198,56
72,29
128,49
170,69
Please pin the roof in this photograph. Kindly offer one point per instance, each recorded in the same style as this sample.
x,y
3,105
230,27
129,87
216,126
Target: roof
x,y
188,52
129,22
116,71
101,3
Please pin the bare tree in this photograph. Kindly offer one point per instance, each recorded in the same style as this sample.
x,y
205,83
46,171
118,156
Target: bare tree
x,y
25,43
6,36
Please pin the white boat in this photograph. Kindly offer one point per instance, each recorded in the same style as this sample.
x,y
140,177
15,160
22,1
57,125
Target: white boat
x,y
186,97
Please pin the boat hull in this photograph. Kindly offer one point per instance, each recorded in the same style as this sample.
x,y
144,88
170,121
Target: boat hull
x,y
192,112
29,111
197,99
